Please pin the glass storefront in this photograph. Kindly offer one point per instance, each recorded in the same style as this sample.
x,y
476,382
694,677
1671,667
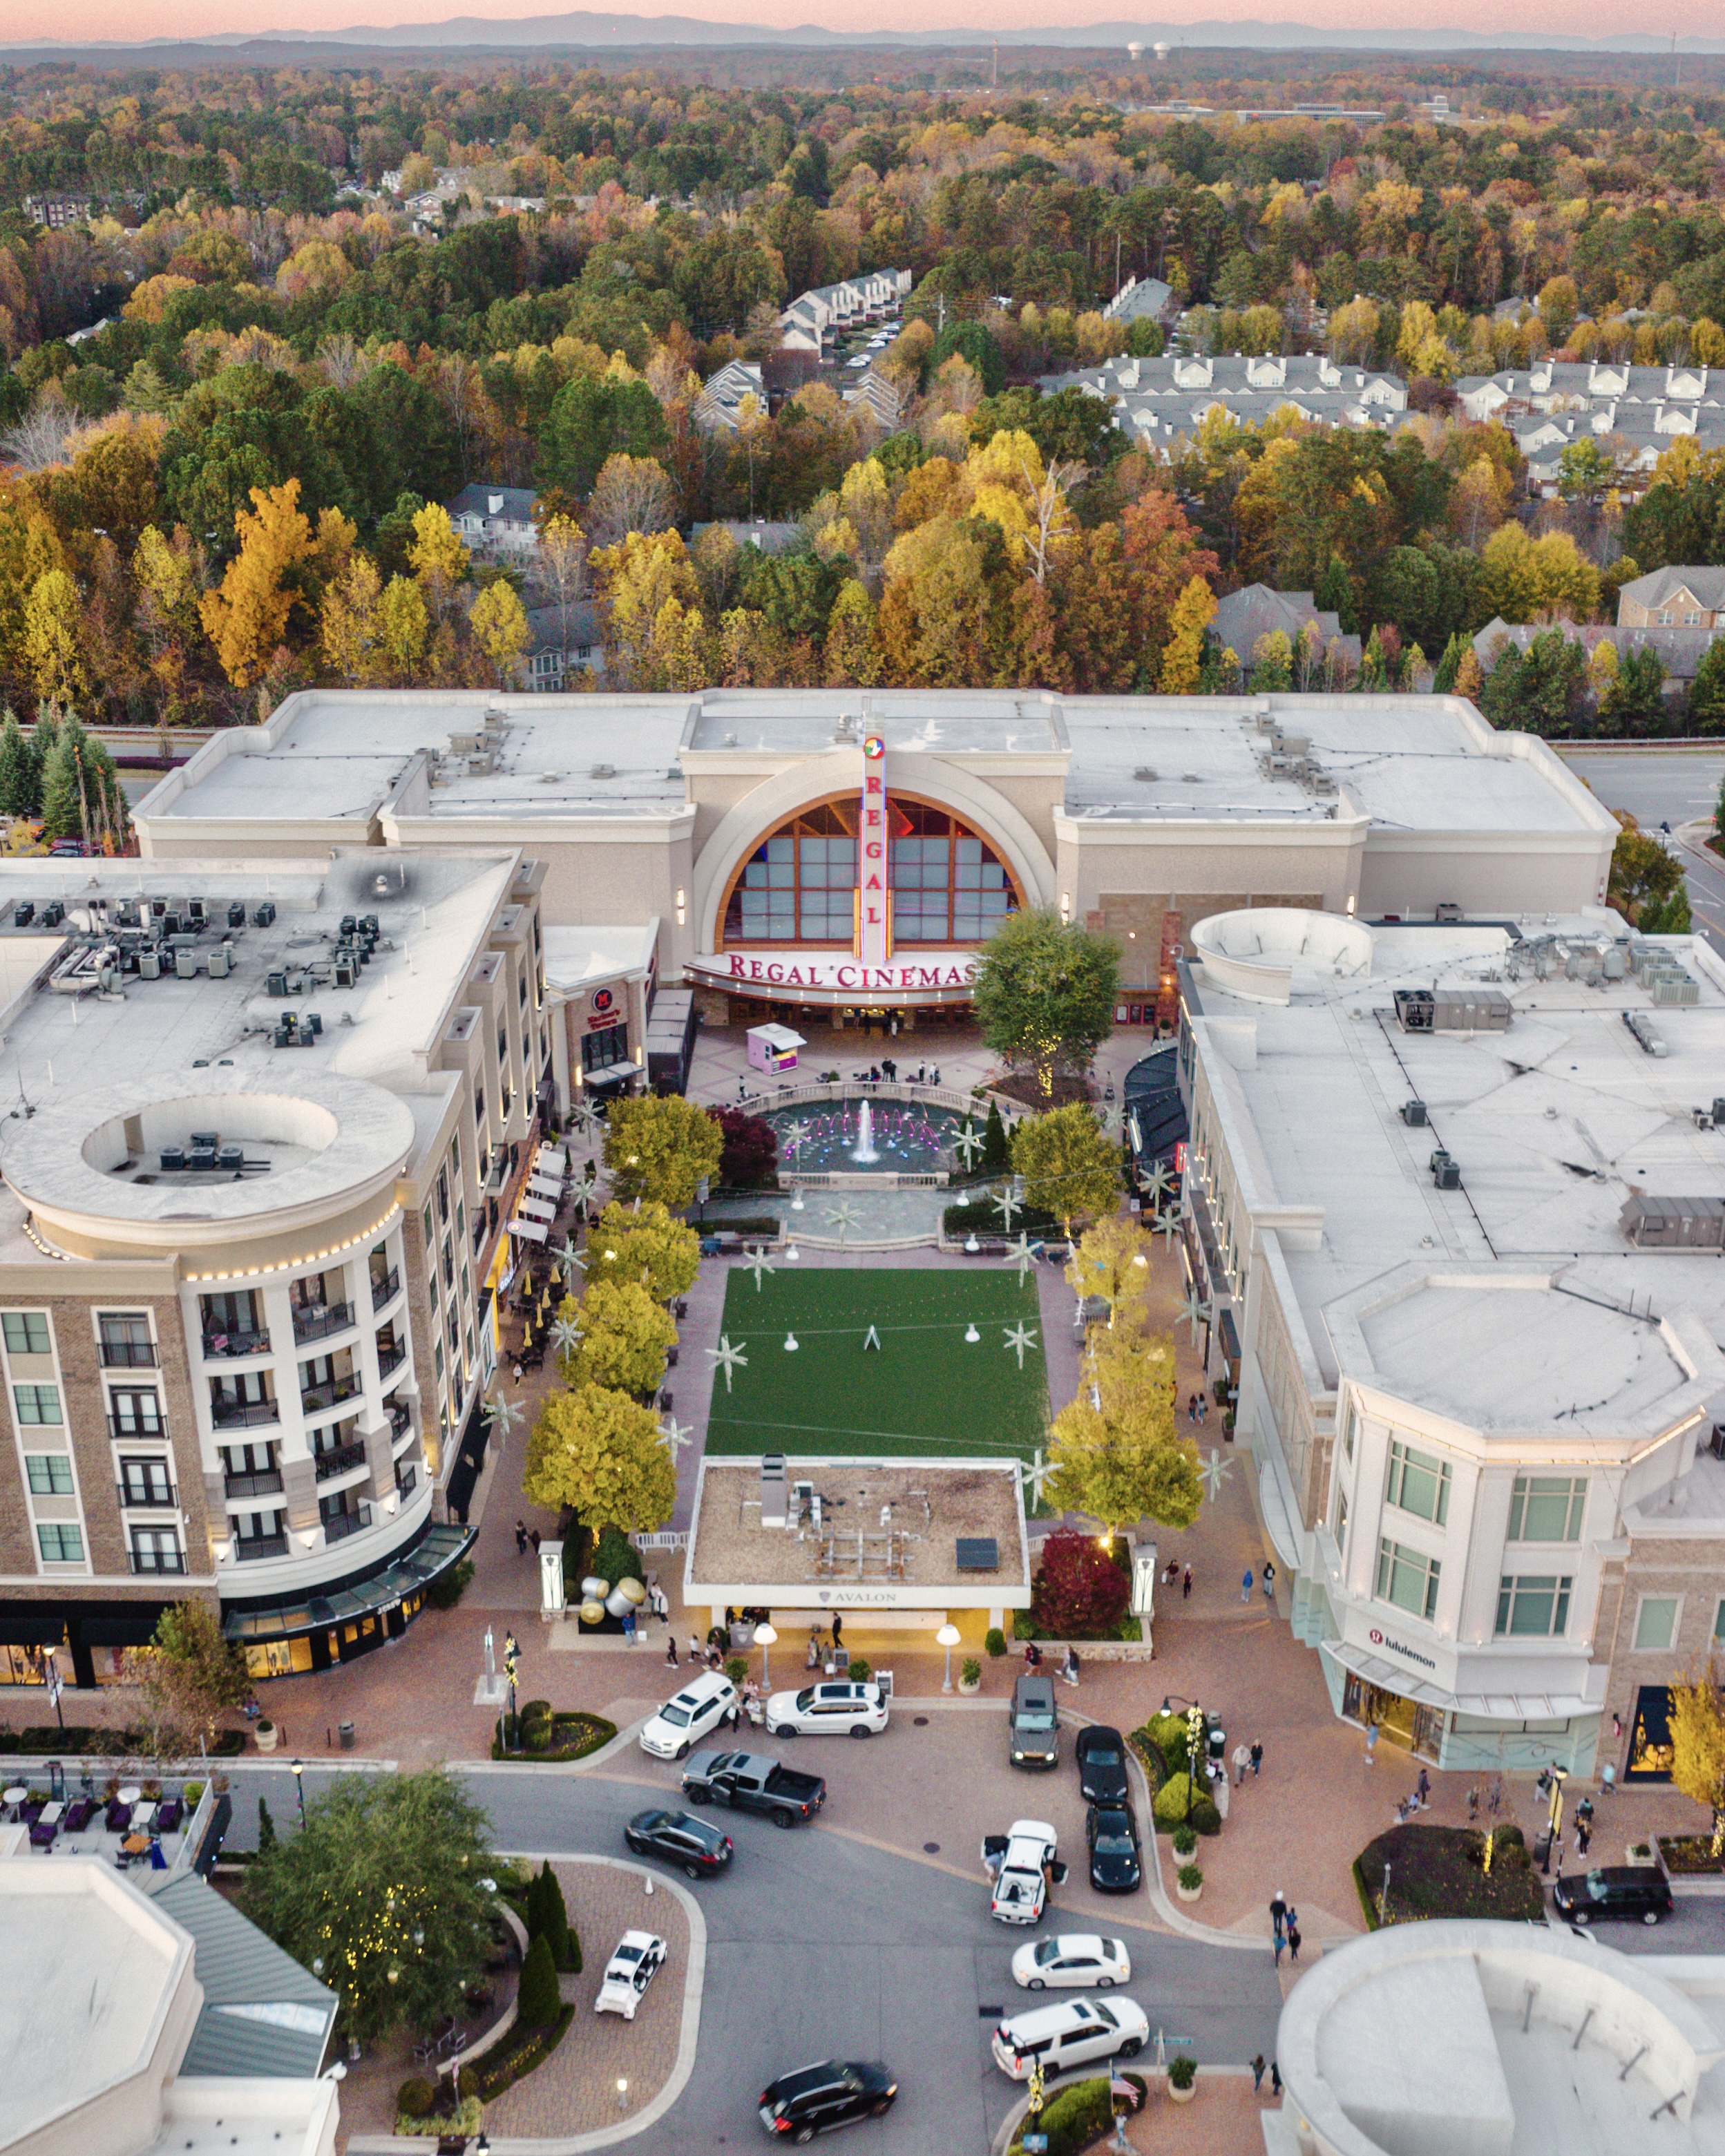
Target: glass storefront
x,y
1407,1723
1650,1751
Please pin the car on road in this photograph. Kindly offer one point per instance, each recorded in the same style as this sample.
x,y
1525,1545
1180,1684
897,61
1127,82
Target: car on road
x,y
1100,1754
1071,2034
1021,1865
1032,1725
638,1958
1117,1863
749,1782
703,1703
828,1709
1072,1961
699,1849
834,2093
1616,1890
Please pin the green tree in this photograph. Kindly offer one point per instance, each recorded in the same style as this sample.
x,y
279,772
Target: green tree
x,y
661,1147
20,791
266,1827
661,1254
624,1337
380,1895
1045,994
539,2000
997,1147
973,342
594,418
1634,704
1070,1166
1112,1262
1707,701
547,1914
1539,692
191,1674
599,1452
1644,875
1443,681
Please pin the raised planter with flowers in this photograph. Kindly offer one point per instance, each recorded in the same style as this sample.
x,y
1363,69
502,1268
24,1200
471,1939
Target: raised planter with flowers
x,y
267,1735
970,1675
1189,1882
1182,2078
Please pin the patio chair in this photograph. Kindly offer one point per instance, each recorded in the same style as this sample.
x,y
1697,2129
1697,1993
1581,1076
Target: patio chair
x,y
42,1837
119,1817
79,1813
31,1811
167,1817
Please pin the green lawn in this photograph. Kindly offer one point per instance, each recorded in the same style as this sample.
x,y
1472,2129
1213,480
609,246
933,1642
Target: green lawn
x,y
926,1390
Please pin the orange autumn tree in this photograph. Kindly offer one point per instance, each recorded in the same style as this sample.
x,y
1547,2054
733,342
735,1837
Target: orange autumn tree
x,y
246,619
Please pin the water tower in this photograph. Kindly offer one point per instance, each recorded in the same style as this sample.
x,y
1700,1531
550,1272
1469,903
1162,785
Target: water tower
x,y
1137,52
1160,49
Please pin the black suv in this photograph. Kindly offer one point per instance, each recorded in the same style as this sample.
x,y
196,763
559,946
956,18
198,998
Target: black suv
x,y
1033,1726
1620,1890
680,1838
1100,1754
815,2099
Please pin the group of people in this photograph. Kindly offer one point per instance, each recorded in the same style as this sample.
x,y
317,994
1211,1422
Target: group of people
x,y
1197,1409
1284,1927
1068,1671
1268,1578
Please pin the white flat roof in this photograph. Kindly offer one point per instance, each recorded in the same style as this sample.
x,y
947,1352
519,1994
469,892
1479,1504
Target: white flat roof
x,y
574,956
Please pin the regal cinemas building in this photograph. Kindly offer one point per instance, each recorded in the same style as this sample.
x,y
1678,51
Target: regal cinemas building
x,y
834,857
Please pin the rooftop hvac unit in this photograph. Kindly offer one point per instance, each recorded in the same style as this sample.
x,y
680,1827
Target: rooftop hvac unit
x,y
1413,1112
1648,1037
1145,775
231,1157
1414,1009
1448,1176
264,915
346,973
149,966
1666,989
171,921
275,984
1439,1160
604,771
1673,1224
23,913
220,963
158,906
236,913
774,1492
1446,910
202,1157
52,913
173,1159
195,909
186,964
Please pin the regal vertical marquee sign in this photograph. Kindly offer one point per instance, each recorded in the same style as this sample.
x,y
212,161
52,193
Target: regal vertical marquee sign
x,y
873,942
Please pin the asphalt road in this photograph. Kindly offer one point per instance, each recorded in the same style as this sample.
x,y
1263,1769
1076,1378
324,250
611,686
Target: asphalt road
x,y
1676,788
819,1946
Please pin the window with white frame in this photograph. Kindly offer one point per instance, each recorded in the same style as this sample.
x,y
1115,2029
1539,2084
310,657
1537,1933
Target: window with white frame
x,y
61,1542
1419,1483
50,1474
1408,1578
27,1332
1656,1622
37,1404
1547,1508
1533,1605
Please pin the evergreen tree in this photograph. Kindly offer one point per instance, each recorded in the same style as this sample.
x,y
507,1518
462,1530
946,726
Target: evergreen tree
x,y
538,1999
997,1151
548,1915
1707,698
266,1827
1372,670
1443,682
1335,594
18,771
62,812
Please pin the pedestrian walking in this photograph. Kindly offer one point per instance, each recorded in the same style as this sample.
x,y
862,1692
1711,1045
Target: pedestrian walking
x,y
1496,1795
1293,1939
1069,1668
1268,1582
661,1608
1583,1835
1203,1408
1473,1804
1275,2079
1257,2073
837,1630
1423,1788
1257,1757
1186,1585
1242,1760
533,1537
1192,1407
1371,1744
1245,1584
670,1651
1276,1945
520,1538
629,1626
518,1370
1278,1912
694,1654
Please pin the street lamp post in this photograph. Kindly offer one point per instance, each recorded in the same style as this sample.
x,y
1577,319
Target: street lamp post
x,y
948,1637
1194,1739
768,1639
299,1771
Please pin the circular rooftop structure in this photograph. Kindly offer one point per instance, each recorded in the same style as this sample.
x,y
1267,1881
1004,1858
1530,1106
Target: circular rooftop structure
x,y
1259,951
149,1164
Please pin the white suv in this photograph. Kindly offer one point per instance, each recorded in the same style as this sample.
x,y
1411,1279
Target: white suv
x,y
703,1703
827,1710
1070,2035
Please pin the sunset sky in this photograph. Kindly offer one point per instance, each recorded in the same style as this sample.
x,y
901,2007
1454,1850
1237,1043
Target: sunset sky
x,y
132,20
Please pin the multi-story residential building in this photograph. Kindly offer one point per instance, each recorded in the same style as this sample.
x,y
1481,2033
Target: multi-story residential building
x,y
496,520
813,316
1636,412
270,1115
1690,596
1455,1200
1157,401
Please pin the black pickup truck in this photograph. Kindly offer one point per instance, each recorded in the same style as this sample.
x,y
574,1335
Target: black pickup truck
x,y
750,1782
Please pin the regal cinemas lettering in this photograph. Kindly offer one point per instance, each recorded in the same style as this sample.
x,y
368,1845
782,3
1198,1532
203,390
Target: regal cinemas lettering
x,y
744,969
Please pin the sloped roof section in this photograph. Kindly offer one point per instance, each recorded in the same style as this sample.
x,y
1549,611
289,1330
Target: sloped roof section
x,y
263,2013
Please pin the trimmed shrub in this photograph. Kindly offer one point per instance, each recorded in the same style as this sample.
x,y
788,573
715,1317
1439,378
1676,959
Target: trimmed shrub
x,y
1190,1877
1185,1839
615,1557
995,1643
548,1915
570,1734
1080,1590
736,1670
415,2098
970,1670
1167,1734
1074,2118
861,1670
1169,1809
461,2125
1206,1818
1182,2071
538,2002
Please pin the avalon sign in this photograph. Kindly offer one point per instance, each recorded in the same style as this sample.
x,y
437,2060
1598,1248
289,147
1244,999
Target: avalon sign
x,y
833,971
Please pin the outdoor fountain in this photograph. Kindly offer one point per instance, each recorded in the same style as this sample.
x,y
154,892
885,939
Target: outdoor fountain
x,y
863,1151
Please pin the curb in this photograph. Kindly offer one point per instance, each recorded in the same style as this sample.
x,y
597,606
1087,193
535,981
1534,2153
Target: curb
x,y
650,2114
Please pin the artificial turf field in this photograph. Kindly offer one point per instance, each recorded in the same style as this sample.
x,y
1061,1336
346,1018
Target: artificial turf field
x,y
926,1390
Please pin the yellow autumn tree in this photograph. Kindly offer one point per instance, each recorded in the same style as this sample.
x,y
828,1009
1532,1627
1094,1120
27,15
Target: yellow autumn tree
x,y
50,637
248,618
1183,655
1697,1728
403,630
348,625
500,628
637,577
438,559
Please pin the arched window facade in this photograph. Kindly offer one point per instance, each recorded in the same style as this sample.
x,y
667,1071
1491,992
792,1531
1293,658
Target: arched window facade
x,y
948,884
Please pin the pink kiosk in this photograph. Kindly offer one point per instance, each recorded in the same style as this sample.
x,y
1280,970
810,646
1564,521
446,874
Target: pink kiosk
x,y
773,1047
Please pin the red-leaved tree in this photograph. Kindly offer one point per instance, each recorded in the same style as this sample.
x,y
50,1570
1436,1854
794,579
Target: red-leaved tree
x,y
751,1154
1079,1589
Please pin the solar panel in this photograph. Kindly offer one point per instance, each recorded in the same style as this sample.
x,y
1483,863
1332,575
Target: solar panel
x,y
978,1554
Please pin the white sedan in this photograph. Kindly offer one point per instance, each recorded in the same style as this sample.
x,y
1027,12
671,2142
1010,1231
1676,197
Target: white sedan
x,y
631,1968
827,1710
703,1703
1075,1959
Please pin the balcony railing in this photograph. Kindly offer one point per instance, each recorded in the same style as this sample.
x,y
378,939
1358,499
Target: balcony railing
x,y
135,1496
244,1414
223,1347
145,1433
247,1552
319,1324
340,1459
405,1478
129,1354
339,1525
258,1482
390,1358
158,1560
319,1399
385,1290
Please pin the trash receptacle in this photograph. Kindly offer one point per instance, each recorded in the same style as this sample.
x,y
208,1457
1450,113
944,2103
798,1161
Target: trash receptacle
x,y
1542,1849
1217,1745
346,1733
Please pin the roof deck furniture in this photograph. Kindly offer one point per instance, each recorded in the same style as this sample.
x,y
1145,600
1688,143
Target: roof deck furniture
x,y
119,1817
79,1814
168,1816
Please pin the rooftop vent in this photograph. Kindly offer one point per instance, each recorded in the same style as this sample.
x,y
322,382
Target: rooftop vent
x,y
604,771
773,1489
1413,1112
1144,775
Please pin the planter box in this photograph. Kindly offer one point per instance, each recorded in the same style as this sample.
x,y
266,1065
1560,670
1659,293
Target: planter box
x,y
1181,2095
1696,1885
268,1739
1187,1893
975,1685
1640,1855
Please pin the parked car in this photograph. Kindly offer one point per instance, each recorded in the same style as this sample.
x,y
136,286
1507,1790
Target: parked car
x,y
750,1782
1116,1861
1617,1890
1021,1864
827,1710
1100,1754
836,2093
636,1960
1071,1961
679,1839
703,1703
1032,1725
1071,2034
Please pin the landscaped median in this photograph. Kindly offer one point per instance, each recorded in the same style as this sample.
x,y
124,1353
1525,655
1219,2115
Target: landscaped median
x,y
1411,1873
541,1734
1077,2117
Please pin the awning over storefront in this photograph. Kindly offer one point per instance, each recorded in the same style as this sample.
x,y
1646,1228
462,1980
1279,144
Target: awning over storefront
x,y
437,1549
1486,1706
1386,1676
1278,1523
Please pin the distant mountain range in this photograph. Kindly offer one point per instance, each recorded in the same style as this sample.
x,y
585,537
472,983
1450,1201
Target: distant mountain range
x,y
587,31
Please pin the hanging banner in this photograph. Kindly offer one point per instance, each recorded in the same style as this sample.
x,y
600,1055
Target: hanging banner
x,y
874,943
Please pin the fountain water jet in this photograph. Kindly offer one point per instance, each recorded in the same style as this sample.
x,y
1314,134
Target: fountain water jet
x,y
863,1151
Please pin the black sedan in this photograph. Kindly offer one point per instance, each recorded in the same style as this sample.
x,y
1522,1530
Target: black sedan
x,y
1100,1754
680,1838
1115,1867
815,2099
1635,1891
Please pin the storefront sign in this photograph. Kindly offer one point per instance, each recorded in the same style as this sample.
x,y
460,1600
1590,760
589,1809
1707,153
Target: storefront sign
x,y
604,1009
872,944
765,971
1395,1647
